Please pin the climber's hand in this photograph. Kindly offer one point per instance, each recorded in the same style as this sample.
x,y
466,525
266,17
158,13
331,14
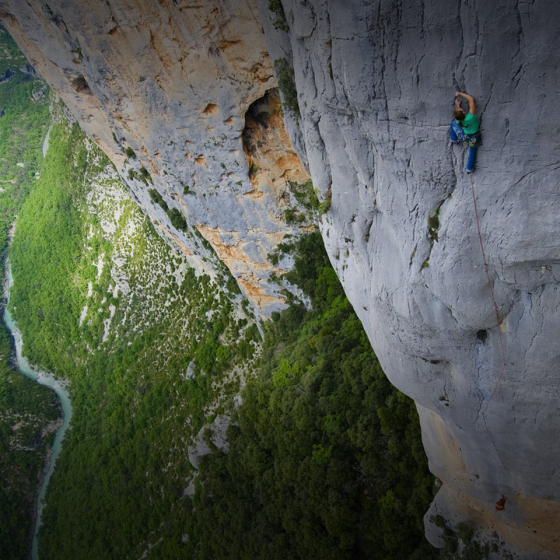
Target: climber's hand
x,y
469,98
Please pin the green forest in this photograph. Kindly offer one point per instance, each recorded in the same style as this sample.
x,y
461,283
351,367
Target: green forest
x,y
324,458
126,355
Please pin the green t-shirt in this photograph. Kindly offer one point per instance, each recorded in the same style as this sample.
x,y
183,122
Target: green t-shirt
x,y
469,124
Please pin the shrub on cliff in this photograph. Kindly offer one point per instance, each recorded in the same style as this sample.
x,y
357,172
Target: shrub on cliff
x,y
287,85
177,219
280,22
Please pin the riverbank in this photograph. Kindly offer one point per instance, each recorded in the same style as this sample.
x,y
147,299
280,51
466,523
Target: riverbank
x,y
61,391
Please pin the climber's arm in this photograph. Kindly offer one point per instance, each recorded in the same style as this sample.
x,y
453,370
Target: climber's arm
x,y
470,99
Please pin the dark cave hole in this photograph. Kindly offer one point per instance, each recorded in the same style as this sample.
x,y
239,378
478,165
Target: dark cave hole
x,y
80,85
482,335
257,118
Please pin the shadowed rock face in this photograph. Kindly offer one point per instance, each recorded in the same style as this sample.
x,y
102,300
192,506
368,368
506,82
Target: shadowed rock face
x,y
375,83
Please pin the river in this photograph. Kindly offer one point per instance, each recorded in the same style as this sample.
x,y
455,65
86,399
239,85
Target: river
x,y
57,386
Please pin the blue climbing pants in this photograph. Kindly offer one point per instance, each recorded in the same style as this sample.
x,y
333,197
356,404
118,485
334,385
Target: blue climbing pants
x,y
457,134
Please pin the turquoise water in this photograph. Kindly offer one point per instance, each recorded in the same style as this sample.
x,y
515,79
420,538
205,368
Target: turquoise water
x,y
48,380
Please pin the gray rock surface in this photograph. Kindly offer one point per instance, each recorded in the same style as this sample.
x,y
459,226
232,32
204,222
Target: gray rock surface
x,y
375,81
375,84
209,439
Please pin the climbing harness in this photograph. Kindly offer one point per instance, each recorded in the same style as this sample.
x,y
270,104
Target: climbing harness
x,y
491,286
474,140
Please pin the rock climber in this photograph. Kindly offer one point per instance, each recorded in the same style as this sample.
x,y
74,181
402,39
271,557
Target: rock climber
x,y
465,128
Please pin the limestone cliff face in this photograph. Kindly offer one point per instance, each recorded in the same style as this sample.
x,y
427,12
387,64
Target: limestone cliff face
x,y
163,88
174,80
375,83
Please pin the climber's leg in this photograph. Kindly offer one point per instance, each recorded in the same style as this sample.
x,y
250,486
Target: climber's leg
x,y
472,159
456,133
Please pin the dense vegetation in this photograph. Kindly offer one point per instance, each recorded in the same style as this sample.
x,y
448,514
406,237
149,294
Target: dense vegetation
x,y
325,455
26,409
103,301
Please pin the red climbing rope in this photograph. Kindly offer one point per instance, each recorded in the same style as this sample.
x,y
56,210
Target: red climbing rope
x,y
491,286
500,504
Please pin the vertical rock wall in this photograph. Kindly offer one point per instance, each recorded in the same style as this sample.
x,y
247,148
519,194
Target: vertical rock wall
x,y
375,83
